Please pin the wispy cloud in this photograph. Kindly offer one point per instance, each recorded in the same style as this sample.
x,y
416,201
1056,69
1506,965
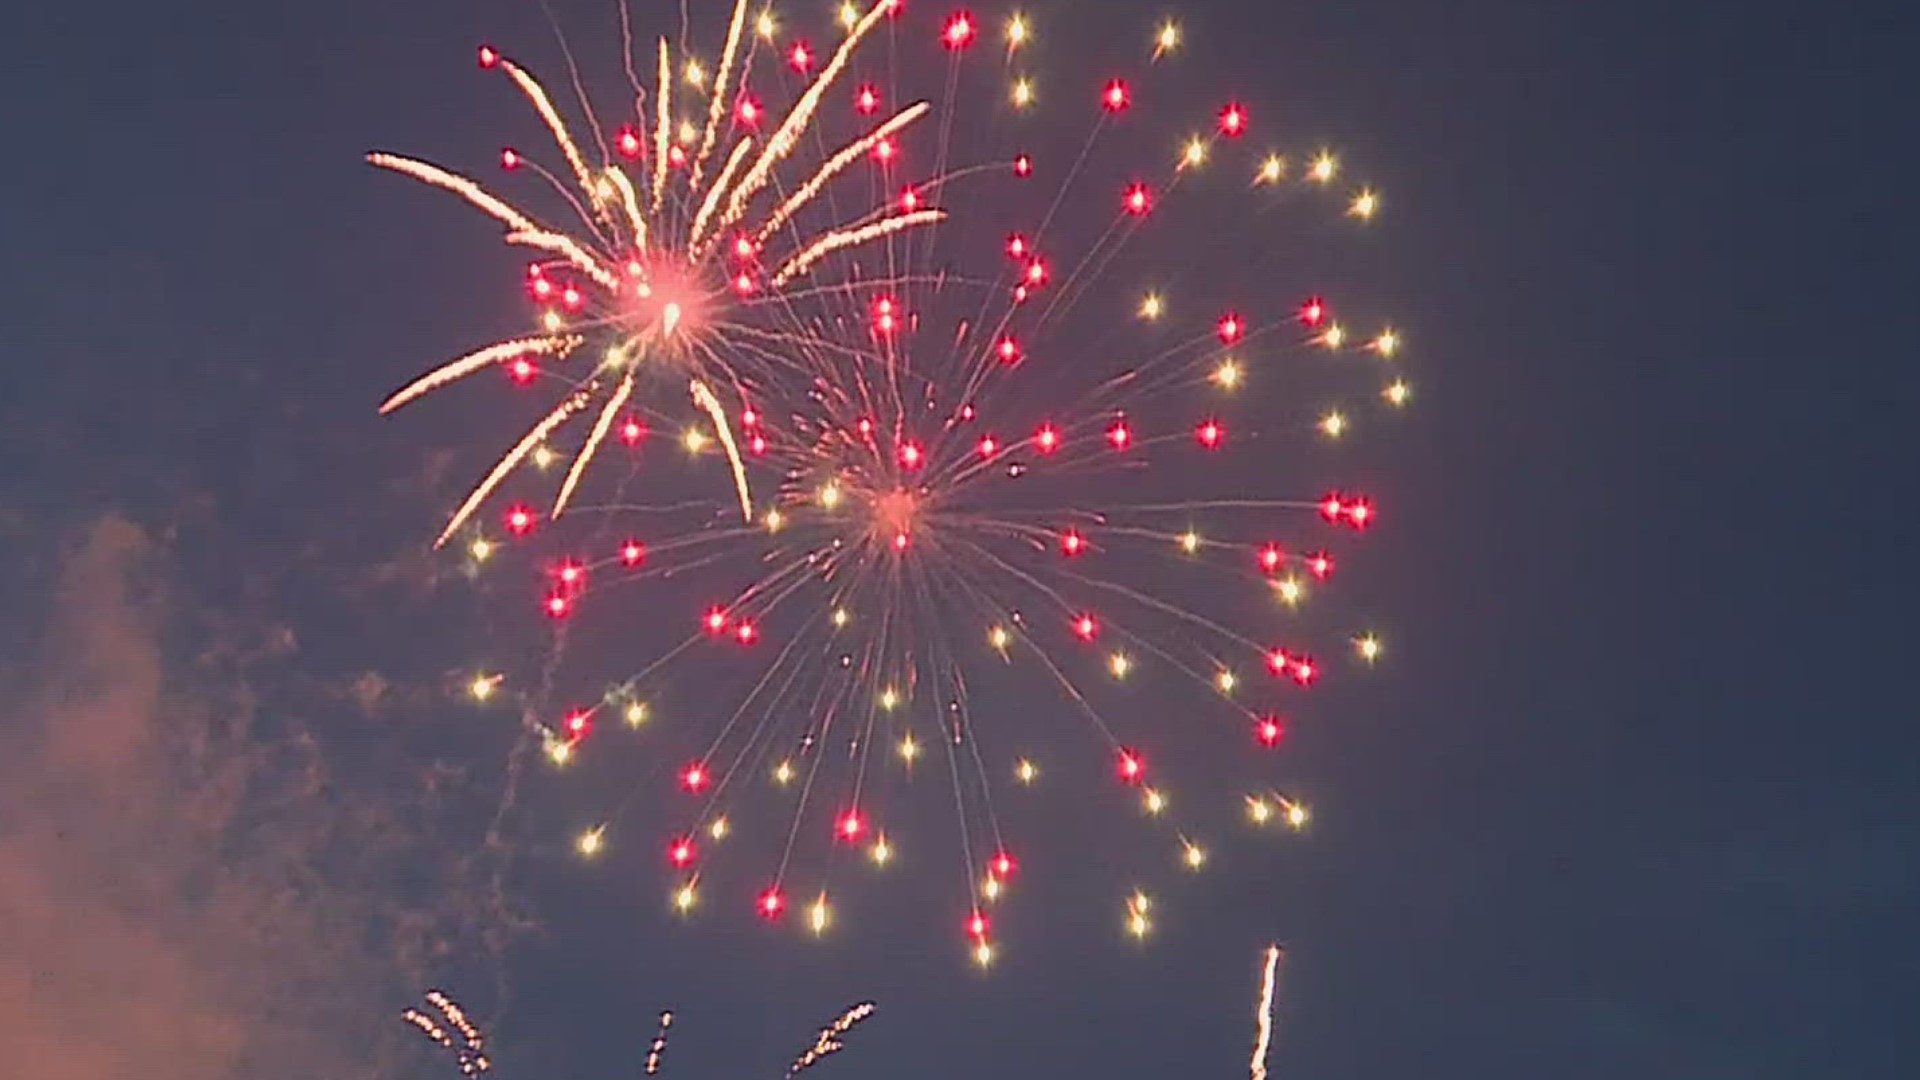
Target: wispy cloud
x,y
187,890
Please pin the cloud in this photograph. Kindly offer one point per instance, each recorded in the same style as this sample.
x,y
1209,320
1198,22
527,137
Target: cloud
x,y
187,892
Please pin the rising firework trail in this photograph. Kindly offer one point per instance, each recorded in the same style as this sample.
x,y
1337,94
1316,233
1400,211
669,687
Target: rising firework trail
x,y
1263,1014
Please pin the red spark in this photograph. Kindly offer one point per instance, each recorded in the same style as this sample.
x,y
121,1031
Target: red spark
x,y
772,902
911,456
1278,660
757,445
522,370
1120,435
901,540
748,111
1359,513
747,632
682,851
519,520
571,573
1231,328
866,100
633,552
715,620
749,418
959,31
1233,120
909,199
1086,627
1331,507
1271,557
629,142
488,58
1003,864
676,155
1047,439
1210,432
578,723
1022,165
1313,311
977,926
1132,766
1321,564
743,284
800,56
1016,246
571,298
542,288
1072,543
1269,730
558,606
509,159
1037,272
632,431
884,150
743,247
1116,96
1009,350
866,427
694,776
1138,199
988,446
1304,670
850,825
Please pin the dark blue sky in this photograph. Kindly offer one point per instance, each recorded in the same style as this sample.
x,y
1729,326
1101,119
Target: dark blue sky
x,y
1636,795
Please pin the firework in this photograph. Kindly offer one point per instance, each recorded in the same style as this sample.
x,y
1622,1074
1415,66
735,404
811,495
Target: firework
x,y
1263,1014
1053,455
830,1039
657,1049
646,263
469,1050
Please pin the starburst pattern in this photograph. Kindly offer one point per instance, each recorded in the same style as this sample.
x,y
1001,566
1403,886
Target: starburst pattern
x,y
1052,451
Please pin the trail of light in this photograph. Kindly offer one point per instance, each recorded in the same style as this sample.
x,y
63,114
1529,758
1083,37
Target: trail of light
x,y
631,202
797,118
836,164
712,200
1263,1015
470,1055
534,437
544,106
829,1039
569,249
718,106
842,238
500,352
600,428
663,110
659,1045
704,398
459,185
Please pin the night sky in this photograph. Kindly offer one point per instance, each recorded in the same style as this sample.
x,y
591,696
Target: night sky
x,y
1635,796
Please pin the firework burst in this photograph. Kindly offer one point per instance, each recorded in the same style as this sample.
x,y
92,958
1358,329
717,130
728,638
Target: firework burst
x,y
981,479
644,270
453,1032
471,1061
